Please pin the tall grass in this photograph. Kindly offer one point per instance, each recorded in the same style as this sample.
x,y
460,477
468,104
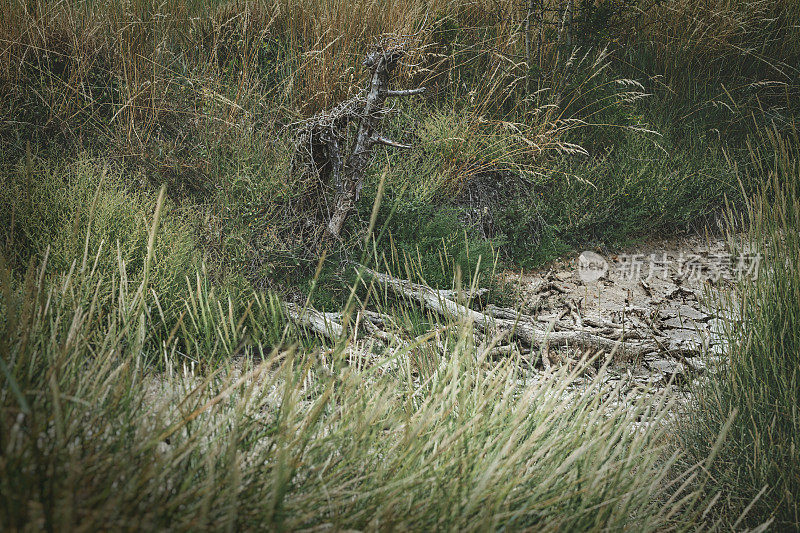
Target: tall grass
x,y
722,40
718,63
202,96
759,462
142,64
93,437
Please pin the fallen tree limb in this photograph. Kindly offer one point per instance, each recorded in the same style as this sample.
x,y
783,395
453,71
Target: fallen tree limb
x,y
388,142
405,92
323,323
467,294
522,328
502,312
378,319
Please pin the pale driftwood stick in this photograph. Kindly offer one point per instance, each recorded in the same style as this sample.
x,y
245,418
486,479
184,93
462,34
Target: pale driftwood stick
x,y
388,142
323,323
430,298
468,294
584,339
523,330
406,92
328,324
504,312
379,319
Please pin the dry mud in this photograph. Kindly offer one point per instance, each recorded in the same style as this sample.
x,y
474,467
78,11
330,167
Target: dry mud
x,y
660,289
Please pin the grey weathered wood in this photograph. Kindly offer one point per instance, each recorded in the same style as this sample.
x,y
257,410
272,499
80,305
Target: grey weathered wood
x,y
323,323
381,63
406,92
389,142
523,329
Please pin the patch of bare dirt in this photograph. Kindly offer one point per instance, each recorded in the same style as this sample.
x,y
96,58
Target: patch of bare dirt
x,y
659,291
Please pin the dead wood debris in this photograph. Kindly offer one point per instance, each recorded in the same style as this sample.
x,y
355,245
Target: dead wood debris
x,y
501,331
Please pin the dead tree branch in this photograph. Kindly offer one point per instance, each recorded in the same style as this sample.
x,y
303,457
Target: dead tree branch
x,y
325,324
406,92
324,145
522,327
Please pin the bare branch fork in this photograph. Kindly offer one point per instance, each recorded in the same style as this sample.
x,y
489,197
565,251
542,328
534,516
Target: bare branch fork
x,y
329,130
380,63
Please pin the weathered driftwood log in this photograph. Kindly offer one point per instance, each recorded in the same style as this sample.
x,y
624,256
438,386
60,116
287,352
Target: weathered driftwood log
x,y
502,312
522,328
467,294
330,324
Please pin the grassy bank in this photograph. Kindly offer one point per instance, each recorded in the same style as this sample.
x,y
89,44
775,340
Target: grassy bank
x,y
530,149
294,438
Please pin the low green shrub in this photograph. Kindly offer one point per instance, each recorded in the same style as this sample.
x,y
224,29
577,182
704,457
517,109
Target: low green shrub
x,y
84,214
